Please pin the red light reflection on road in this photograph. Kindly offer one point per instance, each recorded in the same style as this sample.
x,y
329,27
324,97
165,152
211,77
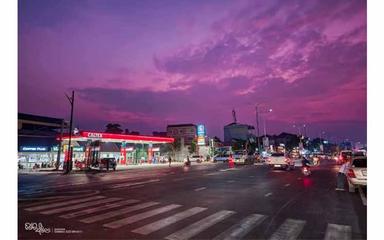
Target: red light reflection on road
x,y
307,182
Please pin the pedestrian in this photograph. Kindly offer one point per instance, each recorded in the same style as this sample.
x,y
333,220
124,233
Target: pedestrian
x,y
341,175
169,160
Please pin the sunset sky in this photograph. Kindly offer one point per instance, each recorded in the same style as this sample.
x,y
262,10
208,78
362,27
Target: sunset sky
x,y
146,64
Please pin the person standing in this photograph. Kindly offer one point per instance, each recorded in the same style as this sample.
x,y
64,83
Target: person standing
x,y
341,175
169,160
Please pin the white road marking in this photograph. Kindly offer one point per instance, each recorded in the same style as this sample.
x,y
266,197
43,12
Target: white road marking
x,y
251,176
212,174
65,203
140,216
99,208
121,185
363,198
299,178
287,185
198,227
81,205
289,230
199,189
268,194
155,226
231,181
338,232
118,212
241,229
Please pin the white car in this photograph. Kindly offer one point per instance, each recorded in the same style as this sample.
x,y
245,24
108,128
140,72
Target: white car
x,y
357,173
242,157
196,158
221,158
279,160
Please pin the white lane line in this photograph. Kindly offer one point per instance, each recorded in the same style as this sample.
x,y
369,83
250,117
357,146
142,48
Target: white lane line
x,y
289,230
251,176
99,208
212,174
199,226
241,229
121,185
59,204
155,226
200,189
78,206
268,194
299,178
140,216
231,181
287,185
363,198
118,212
338,232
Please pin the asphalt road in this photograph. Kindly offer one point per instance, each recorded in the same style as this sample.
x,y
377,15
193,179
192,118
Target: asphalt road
x,y
210,201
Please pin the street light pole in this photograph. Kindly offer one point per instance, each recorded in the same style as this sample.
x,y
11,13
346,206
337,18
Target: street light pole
x,y
258,130
69,163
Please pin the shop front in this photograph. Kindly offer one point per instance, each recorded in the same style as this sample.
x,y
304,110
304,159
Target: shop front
x,y
126,149
35,157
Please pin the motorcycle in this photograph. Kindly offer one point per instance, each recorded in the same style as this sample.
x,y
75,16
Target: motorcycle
x,y
187,163
306,171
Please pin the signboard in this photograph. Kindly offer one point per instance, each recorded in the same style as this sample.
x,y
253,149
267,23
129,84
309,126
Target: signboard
x,y
75,149
33,149
201,141
95,135
200,135
200,130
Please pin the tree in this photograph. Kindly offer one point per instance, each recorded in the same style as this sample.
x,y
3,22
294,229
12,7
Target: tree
x,y
192,149
113,128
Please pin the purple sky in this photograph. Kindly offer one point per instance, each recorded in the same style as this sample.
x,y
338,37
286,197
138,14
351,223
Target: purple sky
x,y
146,64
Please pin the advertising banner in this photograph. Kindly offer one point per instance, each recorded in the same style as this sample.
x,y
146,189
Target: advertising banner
x,y
200,135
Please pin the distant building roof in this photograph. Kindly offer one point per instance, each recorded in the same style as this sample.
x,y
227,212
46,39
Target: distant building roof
x,y
240,125
25,116
182,125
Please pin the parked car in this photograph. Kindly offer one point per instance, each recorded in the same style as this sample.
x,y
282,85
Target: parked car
x,y
280,160
357,173
108,163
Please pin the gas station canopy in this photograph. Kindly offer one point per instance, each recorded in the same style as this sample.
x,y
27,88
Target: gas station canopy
x,y
113,137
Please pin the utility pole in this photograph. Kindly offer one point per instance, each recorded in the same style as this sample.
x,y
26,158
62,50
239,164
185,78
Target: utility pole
x,y
69,163
258,130
59,150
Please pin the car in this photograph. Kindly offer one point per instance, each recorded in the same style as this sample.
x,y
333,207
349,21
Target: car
x,y
108,163
357,173
280,160
344,156
223,157
196,158
243,157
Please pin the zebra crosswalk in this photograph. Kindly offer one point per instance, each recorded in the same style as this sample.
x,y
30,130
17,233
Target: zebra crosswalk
x,y
184,223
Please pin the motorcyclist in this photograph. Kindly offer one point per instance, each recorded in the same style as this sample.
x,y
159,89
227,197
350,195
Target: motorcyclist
x,y
305,162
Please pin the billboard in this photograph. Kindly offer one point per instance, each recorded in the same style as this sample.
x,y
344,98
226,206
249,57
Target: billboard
x,y
200,135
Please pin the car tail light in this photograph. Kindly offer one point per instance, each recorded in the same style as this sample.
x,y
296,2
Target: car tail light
x,y
351,174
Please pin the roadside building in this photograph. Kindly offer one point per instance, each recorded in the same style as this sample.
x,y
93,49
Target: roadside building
x,y
237,131
37,143
184,132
